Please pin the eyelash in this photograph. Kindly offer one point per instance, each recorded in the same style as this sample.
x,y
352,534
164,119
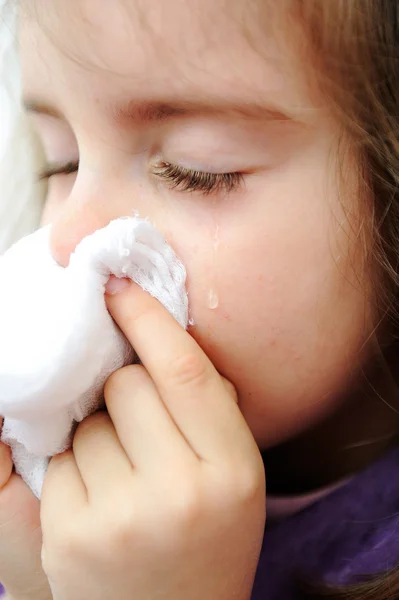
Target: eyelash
x,y
59,169
188,180
178,178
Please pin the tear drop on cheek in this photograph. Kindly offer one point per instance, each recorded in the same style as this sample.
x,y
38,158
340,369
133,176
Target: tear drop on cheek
x,y
213,299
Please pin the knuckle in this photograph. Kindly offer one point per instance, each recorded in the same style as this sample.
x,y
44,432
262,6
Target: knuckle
x,y
186,507
90,423
126,376
230,389
124,529
138,373
242,485
118,380
65,547
189,370
121,531
250,484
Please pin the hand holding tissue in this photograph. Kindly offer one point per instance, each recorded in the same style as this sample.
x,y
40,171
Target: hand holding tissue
x,y
58,342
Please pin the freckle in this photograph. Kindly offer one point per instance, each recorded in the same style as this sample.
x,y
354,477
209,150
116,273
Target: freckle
x,y
260,277
273,342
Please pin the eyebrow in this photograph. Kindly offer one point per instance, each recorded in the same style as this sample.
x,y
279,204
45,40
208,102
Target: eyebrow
x,y
161,111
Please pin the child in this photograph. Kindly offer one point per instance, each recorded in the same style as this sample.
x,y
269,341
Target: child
x,y
261,138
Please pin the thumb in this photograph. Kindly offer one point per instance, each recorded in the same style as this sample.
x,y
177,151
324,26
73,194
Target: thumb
x,y
20,535
21,569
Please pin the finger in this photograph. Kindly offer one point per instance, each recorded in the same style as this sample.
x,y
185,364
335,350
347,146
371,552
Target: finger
x,y
189,385
144,427
6,464
63,493
20,541
230,389
99,456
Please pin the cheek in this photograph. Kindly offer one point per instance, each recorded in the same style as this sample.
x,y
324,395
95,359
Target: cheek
x,y
276,310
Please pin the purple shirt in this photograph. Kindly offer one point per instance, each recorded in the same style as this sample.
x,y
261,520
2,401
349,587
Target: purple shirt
x,y
351,533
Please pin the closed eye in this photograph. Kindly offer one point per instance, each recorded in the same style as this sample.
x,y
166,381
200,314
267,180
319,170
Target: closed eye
x,y
189,180
59,169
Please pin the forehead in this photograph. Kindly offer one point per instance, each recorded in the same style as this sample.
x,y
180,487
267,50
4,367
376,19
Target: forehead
x,y
162,50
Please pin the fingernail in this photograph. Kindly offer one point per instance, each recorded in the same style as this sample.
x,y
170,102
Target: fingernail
x,y
116,285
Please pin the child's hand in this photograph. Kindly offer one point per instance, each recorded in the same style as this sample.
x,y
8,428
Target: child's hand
x,y
165,497
20,536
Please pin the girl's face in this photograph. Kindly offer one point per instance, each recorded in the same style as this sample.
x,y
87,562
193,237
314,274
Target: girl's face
x,y
149,96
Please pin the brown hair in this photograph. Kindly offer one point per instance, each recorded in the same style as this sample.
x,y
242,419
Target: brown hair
x,y
383,587
354,47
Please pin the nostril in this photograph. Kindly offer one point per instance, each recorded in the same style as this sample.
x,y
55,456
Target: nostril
x,y
76,221
64,238
61,247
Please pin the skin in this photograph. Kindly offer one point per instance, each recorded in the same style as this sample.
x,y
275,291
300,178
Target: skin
x,y
273,279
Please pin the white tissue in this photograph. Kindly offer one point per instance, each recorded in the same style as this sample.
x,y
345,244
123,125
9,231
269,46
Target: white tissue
x,y
58,343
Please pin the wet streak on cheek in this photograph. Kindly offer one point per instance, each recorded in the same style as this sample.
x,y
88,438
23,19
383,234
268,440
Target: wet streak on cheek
x,y
213,293
197,239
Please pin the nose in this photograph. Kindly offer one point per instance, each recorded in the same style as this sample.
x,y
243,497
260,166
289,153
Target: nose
x,y
71,225
83,212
